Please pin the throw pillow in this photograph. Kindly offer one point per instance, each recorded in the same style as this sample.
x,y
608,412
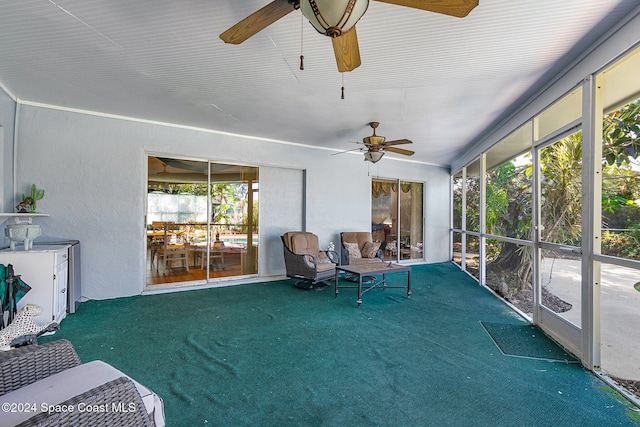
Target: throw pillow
x,y
353,249
370,249
322,258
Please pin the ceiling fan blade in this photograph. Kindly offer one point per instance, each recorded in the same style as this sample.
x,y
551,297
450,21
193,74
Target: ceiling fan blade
x,y
398,142
347,51
257,21
457,8
400,151
347,151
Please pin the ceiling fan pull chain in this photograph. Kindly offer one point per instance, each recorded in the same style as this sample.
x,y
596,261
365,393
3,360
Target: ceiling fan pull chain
x,y
342,97
301,41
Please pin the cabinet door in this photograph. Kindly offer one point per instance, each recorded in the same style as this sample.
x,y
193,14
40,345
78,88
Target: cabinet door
x,y
60,281
36,269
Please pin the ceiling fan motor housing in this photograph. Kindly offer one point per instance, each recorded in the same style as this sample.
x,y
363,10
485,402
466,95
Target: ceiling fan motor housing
x,y
373,141
333,17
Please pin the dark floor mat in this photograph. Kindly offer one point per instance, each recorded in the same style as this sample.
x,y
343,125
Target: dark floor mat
x,y
525,341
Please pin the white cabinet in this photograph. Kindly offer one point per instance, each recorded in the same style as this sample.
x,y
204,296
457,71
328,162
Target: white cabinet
x,y
46,270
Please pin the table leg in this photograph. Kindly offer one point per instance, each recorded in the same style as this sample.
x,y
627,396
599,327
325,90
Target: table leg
x,y
359,301
336,284
408,283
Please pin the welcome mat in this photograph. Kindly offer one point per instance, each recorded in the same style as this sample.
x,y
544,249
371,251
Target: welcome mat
x,y
525,341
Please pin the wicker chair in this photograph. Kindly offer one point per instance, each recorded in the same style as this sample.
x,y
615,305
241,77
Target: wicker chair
x,y
52,374
119,391
305,261
28,364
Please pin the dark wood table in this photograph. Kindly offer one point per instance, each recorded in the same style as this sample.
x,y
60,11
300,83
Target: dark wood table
x,y
365,270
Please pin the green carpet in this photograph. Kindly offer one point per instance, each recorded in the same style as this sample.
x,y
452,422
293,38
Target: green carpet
x,y
525,341
270,354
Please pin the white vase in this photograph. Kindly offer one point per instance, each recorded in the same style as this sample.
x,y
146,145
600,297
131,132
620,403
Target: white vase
x,y
22,233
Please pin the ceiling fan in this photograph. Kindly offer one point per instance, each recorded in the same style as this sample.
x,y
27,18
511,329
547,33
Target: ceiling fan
x,y
336,19
376,146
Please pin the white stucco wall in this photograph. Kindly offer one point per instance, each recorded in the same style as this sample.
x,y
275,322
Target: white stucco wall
x,y
93,171
7,115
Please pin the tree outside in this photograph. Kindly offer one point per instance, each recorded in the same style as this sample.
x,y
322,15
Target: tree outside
x,y
509,205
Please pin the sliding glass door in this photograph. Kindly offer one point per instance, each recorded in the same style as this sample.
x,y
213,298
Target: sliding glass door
x,y
397,213
202,221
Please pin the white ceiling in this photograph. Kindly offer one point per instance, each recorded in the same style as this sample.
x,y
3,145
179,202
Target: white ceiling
x,y
431,78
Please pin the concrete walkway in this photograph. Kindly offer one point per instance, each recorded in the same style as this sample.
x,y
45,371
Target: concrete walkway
x,y
619,308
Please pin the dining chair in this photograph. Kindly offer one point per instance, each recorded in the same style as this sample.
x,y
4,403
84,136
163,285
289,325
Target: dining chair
x,y
174,247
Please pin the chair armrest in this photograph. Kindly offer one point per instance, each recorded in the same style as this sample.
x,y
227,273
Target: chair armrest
x,y
333,257
296,264
344,255
120,391
28,364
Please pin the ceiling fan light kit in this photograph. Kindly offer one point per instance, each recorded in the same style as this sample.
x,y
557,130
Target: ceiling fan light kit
x,y
333,17
376,146
373,156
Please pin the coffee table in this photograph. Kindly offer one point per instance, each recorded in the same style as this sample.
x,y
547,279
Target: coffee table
x,y
372,270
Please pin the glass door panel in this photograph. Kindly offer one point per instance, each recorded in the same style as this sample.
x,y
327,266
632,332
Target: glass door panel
x,y
560,226
411,220
176,218
384,216
397,218
233,232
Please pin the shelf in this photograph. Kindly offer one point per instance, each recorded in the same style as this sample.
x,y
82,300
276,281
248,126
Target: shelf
x,y
6,215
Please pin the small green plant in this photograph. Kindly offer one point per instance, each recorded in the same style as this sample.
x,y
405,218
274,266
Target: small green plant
x,y
35,196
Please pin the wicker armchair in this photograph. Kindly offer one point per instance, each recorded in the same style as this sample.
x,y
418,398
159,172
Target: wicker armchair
x,y
28,364
52,374
119,391
305,261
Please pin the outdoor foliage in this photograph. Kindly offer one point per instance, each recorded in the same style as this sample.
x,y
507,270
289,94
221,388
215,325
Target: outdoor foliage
x,y
509,199
561,189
